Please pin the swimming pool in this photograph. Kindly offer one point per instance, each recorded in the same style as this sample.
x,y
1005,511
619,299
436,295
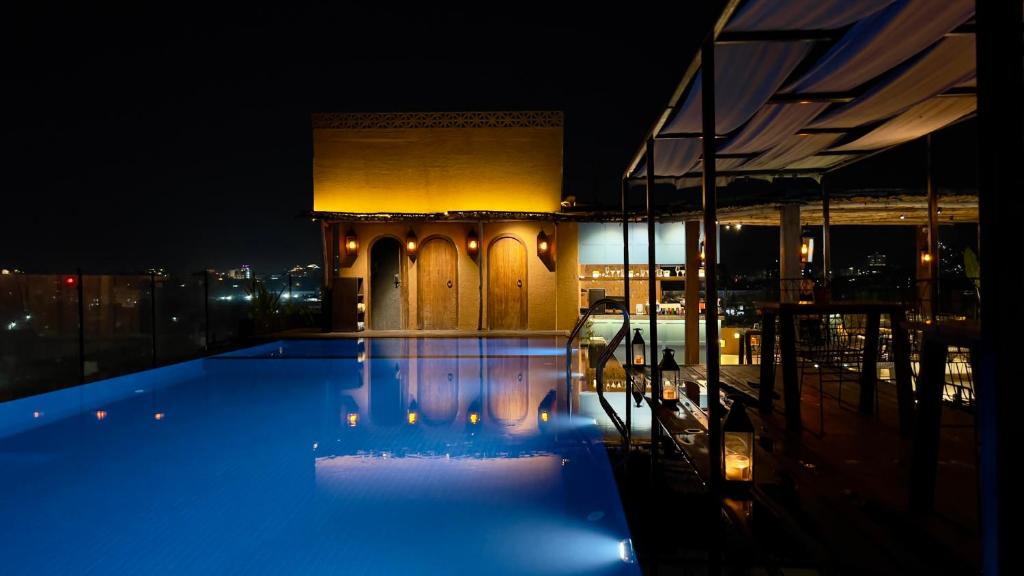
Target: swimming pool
x,y
383,456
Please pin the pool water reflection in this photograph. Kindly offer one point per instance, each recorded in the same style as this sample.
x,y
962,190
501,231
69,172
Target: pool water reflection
x,y
388,456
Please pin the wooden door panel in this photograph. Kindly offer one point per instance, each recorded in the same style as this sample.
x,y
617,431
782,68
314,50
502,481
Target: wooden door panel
x,y
506,285
437,286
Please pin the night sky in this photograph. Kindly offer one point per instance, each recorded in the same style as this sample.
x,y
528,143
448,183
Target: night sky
x,y
141,137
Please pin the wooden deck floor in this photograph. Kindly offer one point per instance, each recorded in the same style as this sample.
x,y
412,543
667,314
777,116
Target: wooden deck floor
x,y
849,477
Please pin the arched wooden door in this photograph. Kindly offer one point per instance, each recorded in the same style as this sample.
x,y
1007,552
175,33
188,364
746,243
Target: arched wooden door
x,y
437,301
506,285
386,284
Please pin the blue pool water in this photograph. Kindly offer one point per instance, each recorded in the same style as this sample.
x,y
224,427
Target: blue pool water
x,y
389,456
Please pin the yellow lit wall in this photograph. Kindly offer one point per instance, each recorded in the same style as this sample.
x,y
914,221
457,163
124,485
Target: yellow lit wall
x,y
544,312
437,169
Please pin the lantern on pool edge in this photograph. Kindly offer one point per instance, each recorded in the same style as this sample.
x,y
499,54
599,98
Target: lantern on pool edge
x,y
670,377
738,447
639,349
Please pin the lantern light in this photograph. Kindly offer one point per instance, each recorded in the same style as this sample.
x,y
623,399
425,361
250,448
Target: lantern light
x,y
738,447
70,280
352,419
411,244
351,243
546,250
639,349
472,244
670,377
806,249
926,257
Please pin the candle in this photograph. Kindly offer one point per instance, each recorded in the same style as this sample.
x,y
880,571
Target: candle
x,y
638,359
737,467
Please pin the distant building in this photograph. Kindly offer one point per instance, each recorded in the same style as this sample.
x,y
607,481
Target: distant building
x,y
877,260
242,273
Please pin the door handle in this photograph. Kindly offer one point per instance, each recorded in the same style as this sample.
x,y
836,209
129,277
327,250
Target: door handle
x,y
519,283
449,283
398,281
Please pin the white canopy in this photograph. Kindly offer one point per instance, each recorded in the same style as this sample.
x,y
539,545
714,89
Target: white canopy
x,y
804,86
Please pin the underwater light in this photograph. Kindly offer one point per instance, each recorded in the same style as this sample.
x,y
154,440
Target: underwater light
x,y
626,551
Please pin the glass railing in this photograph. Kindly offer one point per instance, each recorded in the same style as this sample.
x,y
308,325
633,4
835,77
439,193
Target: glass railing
x,y
59,330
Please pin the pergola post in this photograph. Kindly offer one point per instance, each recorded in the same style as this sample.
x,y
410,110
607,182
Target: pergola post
x,y
625,292
826,237
692,309
652,298
1000,150
933,234
789,252
710,203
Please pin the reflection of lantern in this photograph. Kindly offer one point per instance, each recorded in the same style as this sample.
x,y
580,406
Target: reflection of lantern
x,y
412,415
639,349
352,419
738,449
670,377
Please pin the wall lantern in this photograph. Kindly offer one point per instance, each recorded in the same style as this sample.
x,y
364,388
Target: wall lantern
x,y
351,243
670,377
546,250
806,250
738,447
472,244
411,245
926,257
639,350
545,410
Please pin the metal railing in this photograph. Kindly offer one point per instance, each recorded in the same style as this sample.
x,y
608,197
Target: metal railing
x,y
622,427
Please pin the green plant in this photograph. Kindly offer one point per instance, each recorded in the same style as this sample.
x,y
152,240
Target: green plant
x,y
265,308
973,270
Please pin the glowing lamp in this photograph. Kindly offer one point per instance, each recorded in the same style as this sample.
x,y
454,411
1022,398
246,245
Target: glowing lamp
x,y
411,244
351,243
472,244
70,280
545,415
474,418
926,257
738,447
159,416
806,250
639,349
352,419
101,414
670,377
546,250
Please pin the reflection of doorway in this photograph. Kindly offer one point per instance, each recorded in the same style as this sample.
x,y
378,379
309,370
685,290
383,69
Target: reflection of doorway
x,y
386,284
508,387
506,285
437,286
437,384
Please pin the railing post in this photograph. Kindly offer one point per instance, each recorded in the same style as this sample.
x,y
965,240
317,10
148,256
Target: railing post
x,y
206,310
81,327
152,311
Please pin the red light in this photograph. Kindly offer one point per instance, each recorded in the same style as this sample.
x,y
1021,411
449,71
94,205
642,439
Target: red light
x,y
70,280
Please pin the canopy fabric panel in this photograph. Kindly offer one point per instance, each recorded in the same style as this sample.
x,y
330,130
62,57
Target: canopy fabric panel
x,y
821,162
771,125
721,164
926,117
757,15
948,63
743,84
672,157
882,41
792,149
